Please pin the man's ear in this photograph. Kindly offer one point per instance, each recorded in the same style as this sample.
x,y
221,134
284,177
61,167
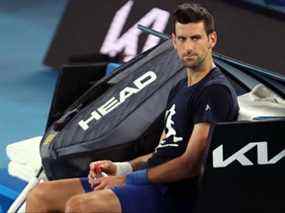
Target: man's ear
x,y
213,37
173,39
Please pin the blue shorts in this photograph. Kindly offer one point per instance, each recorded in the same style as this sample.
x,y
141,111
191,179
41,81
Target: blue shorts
x,y
138,198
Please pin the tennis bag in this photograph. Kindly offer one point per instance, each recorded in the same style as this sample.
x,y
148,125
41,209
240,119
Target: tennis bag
x,y
118,118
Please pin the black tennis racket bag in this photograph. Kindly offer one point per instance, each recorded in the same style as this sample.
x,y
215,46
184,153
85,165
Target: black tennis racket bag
x,y
118,118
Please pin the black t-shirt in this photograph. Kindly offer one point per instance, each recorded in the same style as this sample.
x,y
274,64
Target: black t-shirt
x,y
210,100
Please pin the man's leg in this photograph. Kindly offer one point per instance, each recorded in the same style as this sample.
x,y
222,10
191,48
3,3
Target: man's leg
x,y
128,198
103,201
53,195
69,195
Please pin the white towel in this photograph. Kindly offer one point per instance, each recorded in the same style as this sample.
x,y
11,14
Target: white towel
x,y
25,158
25,151
260,102
22,171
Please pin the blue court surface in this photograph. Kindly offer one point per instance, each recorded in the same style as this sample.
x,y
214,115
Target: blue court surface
x,y
26,86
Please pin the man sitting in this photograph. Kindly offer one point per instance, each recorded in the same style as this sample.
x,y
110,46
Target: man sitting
x,y
165,180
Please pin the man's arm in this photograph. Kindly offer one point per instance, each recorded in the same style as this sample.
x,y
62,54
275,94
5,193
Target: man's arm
x,y
109,167
185,166
188,164
140,161
137,163
111,181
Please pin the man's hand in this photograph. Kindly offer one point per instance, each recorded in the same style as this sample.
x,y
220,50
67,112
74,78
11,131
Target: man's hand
x,y
109,182
106,166
97,167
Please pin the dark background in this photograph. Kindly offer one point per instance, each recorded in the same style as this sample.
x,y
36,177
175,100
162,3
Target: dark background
x,y
248,33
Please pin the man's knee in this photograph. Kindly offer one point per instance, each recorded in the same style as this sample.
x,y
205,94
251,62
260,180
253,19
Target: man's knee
x,y
83,203
93,202
37,192
38,196
75,204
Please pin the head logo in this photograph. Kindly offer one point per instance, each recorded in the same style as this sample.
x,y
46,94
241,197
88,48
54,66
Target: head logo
x,y
140,83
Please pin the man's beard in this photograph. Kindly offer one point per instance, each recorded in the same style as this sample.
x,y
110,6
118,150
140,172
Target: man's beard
x,y
195,64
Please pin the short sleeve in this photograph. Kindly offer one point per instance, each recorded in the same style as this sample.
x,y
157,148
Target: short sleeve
x,y
213,105
174,90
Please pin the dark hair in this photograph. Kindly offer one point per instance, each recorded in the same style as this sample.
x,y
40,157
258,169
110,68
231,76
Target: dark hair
x,y
193,13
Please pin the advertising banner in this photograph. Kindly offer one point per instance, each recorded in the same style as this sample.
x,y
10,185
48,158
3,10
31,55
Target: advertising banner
x,y
244,171
109,28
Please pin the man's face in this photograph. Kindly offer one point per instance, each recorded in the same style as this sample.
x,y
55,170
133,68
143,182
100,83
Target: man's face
x,y
193,45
